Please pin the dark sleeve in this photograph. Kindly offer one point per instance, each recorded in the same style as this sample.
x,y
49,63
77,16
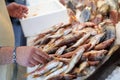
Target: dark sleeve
x,y
20,39
17,1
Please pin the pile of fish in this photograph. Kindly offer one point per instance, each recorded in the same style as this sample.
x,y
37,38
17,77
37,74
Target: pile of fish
x,y
78,49
94,10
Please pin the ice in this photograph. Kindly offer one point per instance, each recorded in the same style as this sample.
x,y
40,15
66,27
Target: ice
x,y
115,75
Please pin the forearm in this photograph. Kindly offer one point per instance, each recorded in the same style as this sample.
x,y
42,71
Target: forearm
x,y
6,55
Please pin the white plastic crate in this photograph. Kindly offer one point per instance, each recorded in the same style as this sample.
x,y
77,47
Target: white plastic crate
x,y
42,16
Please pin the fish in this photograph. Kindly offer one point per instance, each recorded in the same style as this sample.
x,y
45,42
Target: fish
x,y
88,24
61,32
95,55
52,30
50,48
92,5
67,31
85,15
45,36
77,27
82,66
41,39
70,54
32,72
63,77
45,39
82,27
81,40
46,68
54,69
104,9
95,40
51,41
67,39
58,34
71,6
56,27
75,58
105,44
79,7
65,60
67,55
110,31
93,63
114,6
114,16
38,39
101,27
57,72
61,50
98,19
72,17
90,30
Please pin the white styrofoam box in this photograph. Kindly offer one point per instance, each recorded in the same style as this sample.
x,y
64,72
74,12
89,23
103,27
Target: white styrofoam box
x,y
34,2
42,16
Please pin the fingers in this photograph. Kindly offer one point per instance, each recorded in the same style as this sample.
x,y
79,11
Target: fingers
x,y
31,56
33,62
43,54
23,10
38,57
17,10
20,15
30,64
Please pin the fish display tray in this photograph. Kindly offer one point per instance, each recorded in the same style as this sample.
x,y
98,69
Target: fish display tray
x,y
107,69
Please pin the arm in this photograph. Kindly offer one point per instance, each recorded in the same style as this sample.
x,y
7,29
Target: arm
x,y
6,55
25,56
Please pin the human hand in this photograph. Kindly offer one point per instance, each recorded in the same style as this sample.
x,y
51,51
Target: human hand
x,y
62,1
30,56
17,10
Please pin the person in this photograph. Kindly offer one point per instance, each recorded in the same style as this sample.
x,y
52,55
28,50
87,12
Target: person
x,y
25,56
